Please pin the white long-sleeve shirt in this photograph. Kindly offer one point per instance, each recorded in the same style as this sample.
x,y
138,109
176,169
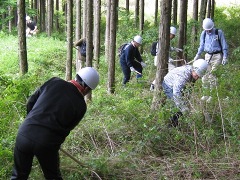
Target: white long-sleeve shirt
x,y
177,79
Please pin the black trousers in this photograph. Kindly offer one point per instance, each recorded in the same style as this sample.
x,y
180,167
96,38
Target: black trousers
x,y
25,150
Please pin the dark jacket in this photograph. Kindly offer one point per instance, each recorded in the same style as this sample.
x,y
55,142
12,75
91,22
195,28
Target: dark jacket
x,y
131,57
52,112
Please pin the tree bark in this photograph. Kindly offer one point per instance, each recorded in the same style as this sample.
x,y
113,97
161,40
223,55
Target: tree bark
x,y
69,39
163,55
22,37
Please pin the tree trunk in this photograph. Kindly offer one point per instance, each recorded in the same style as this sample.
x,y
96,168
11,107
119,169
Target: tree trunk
x,y
107,31
195,19
42,15
69,39
112,49
127,6
156,13
57,16
175,11
22,37
78,32
163,55
50,17
136,12
213,9
182,38
209,8
97,21
89,39
203,10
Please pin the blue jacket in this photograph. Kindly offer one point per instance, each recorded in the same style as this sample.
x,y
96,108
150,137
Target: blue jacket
x,y
211,44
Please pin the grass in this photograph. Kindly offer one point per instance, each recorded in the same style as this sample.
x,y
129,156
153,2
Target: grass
x,y
120,137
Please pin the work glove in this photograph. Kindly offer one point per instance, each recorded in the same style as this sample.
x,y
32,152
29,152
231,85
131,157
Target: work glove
x,y
143,64
196,57
224,61
132,69
170,60
177,49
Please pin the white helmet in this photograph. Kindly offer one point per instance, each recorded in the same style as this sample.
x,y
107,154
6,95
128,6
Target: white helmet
x,y
27,18
173,30
200,67
138,39
89,76
207,24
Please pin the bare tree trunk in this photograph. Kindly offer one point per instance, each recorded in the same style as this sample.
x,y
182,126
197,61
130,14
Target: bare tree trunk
x,y
209,8
127,6
203,10
22,37
97,21
50,17
42,15
156,13
107,31
141,22
182,38
175,11
57,16
89,40
112,49
164,41
136,12
69,39
10,13
195,19
213,9
78,32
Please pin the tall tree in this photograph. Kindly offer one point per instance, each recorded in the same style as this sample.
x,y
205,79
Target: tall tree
x,y
203,10
127,6
89,39
107,30
112,45
49,17
163,55
136,12
69,39
78,31
57,16
42,15
156,13
22,37
182,38
175,11
96,32
209,8
195,20
213,9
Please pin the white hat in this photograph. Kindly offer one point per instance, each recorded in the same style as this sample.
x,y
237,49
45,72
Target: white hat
x,y
207,24
173,30
27,18
89,76
138,39
200,67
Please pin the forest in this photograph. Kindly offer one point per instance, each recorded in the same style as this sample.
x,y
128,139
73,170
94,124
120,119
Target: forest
x,y
125,132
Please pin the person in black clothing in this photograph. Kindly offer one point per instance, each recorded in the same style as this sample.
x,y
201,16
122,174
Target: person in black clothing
x,y
31,27
52,112
131,60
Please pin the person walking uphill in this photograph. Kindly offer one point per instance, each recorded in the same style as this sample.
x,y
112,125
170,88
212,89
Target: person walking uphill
x,y
131,60
175,82
52,112
213,42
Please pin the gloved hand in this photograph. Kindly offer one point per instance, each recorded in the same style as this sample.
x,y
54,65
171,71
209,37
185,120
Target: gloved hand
x,y
143,64
170,60
177,49
196,57
224,61
132,69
